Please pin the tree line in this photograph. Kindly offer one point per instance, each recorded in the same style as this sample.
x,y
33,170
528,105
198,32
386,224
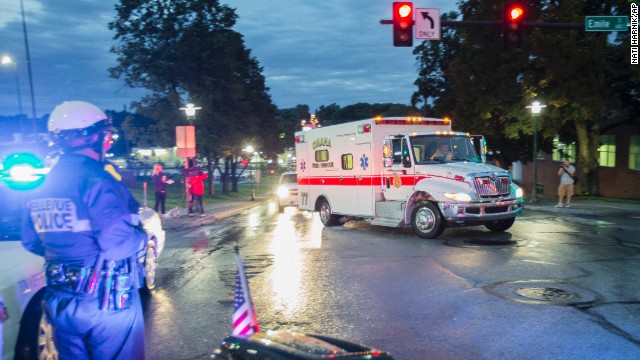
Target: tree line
x,y
186,51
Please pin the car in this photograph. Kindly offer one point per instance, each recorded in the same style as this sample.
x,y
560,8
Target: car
x,y
287,191
24,331
284,345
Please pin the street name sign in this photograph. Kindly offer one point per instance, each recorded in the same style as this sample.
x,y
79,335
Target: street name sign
x,y
606,23
427,24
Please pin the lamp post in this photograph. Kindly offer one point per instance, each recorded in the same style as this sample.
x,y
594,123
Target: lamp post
x,y
249,149
190,111
535,111
6,60
26,47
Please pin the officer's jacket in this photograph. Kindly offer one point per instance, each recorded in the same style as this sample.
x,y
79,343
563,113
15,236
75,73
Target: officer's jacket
x,y
80,211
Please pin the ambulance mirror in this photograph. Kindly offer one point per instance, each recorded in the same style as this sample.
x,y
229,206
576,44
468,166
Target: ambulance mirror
x,y
387,153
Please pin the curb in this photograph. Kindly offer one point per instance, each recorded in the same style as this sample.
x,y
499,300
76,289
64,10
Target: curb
x,y
218,212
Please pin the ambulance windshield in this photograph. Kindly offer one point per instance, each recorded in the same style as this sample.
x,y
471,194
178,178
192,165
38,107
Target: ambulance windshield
x,y
428,149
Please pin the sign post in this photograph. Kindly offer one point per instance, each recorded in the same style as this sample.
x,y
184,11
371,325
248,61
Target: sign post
x,y
186,144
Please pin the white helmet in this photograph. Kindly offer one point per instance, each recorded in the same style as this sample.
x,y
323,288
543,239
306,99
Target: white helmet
x,y
77,124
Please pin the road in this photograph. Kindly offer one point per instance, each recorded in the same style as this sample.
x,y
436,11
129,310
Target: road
x,y
555,286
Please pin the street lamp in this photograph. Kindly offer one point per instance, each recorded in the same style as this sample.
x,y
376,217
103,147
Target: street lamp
x,y
6,60
250,150
190,110
535,110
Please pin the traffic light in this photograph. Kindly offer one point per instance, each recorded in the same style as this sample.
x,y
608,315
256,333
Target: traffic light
x,y
512,20
402,23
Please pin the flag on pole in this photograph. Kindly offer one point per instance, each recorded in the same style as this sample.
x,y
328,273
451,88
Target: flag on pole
x,y
244,318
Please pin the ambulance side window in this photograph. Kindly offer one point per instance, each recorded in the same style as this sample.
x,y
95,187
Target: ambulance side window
x,y
406,159
397,151
322,155
347,161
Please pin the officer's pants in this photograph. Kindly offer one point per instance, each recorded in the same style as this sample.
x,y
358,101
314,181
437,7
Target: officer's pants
x,y
83,331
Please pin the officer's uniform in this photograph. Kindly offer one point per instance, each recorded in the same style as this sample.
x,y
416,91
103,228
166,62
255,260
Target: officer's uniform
x,y
82,220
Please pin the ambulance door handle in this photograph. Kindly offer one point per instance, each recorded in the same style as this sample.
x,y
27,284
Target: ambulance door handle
x,y
360,178
340,178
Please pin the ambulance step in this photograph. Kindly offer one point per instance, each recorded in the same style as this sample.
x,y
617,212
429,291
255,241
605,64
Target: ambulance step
x,y
388,222
390,209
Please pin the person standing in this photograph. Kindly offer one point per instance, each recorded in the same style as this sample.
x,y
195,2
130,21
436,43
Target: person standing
x,y
565,189
160,187
196,188
85,224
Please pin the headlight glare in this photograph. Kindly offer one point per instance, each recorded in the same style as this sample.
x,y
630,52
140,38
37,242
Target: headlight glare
x,y
458,196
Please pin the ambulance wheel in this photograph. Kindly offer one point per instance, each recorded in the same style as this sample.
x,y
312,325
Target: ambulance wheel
x,y
427,221
150,267
327,218
499,225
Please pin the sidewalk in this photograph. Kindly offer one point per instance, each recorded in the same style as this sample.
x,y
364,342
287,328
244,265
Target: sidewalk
x,y
213,213
592,206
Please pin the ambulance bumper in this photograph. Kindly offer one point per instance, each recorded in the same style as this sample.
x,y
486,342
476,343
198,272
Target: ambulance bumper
x,y
480,212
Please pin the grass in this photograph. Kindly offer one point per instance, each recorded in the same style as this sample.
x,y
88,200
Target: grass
x,y
176,192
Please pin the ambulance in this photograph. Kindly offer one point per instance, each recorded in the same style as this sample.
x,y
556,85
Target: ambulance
x,y
400,172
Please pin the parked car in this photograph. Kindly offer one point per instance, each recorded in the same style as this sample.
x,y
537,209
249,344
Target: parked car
x,y
287,191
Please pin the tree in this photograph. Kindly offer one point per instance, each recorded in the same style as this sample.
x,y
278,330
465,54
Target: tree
x,y
185,51
487,88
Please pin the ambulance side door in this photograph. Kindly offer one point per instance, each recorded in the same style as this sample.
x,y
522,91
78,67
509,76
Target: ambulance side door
x,y
398,178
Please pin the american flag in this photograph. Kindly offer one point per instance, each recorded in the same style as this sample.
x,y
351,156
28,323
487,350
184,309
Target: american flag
x,y
244,317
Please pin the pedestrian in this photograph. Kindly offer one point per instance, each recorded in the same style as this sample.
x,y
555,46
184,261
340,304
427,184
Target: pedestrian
x,y
85,224
196,188
565,189
160,182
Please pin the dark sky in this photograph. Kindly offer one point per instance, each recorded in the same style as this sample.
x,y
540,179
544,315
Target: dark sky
x,y
312,52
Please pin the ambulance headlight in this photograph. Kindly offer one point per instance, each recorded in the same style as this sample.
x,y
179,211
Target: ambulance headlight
x,y
458,196
519,193
282,191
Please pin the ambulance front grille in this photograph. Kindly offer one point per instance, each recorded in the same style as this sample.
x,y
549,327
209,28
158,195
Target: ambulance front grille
x,y
489,186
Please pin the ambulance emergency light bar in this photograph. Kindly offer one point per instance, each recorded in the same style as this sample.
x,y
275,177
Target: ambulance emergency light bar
x,y
411,120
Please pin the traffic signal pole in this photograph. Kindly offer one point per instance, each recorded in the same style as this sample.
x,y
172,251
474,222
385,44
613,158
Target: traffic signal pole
x,y
532,25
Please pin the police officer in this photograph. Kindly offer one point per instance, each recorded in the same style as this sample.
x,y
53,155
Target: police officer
x,y
84,222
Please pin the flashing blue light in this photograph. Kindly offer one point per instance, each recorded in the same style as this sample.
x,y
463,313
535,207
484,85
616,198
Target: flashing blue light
x,y
23,171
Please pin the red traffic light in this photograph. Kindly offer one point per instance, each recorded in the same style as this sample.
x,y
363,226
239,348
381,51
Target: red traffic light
x,y
515,13
404,10
512,20
402,23
245,162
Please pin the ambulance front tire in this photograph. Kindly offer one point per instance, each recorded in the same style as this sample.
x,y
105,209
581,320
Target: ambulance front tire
x,y
324,209
426,220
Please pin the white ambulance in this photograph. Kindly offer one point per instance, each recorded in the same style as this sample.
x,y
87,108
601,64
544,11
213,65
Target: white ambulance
x,y
399,172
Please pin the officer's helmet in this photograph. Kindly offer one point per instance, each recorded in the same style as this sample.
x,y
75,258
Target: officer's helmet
x,y
78,124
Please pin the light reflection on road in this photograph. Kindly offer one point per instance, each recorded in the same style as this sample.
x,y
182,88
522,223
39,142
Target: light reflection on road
x,y
289,265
